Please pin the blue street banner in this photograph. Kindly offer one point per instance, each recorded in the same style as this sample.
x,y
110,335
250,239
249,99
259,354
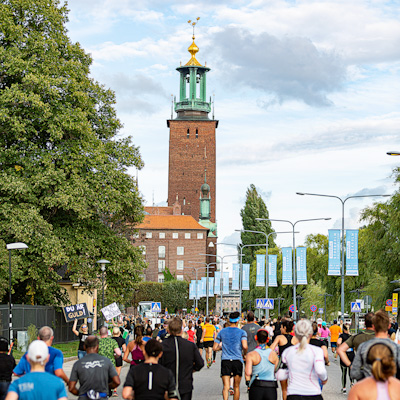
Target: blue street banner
x,y
198,285
334,252
301,265
225,287
191,290
352,252
260,278
246,277
203,287
272,280
287,266
235,277
210,286
217,282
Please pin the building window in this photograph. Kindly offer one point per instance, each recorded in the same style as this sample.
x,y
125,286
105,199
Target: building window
x,y
179,264
180,251
149,235
184,201
175,235
200,236
161,278
187,235
143,250
161,265
161,251
187,134
197,133
179,277
161,235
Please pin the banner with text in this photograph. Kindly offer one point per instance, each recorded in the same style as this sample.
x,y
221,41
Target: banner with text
x,y
225,283
334,252
192,294
198,289
301,265
203,287
260,262
235,277
210,286
287,266
217,282
272,278
246,277
352,252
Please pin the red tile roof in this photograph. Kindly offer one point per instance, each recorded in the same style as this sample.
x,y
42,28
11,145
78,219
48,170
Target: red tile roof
x,y
174,222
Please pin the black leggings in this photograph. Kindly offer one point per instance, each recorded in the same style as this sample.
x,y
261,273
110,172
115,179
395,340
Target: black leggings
x,y
299,397
262,393
345,371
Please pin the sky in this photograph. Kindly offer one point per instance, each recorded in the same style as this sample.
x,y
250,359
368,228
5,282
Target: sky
x,y
307,95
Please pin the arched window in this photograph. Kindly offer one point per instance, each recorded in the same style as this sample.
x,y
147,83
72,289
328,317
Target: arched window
x,y
197,133
184,201
188,133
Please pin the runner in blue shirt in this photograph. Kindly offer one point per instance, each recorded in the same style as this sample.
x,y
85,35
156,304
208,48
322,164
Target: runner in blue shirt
x,y
233,343
54,364
37,384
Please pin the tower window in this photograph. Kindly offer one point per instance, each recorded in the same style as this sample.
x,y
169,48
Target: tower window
x,y
184,201
197,133
187,134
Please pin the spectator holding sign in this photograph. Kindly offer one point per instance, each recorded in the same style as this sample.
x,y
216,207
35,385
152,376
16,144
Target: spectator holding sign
x,y
82,334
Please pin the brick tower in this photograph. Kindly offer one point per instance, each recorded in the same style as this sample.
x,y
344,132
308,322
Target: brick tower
x,y
192,140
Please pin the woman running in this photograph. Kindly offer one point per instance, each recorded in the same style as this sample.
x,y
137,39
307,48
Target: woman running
x,y
135,348
350,354
283,341
305,366
382,385
260,368
319,343
324,333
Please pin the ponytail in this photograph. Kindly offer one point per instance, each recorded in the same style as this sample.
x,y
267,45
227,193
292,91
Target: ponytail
x,y
383,365
303,344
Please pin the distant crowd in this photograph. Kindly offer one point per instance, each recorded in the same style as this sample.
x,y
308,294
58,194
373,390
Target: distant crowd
x,y
274,355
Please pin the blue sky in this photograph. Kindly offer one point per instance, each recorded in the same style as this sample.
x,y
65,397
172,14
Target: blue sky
x,y
306,92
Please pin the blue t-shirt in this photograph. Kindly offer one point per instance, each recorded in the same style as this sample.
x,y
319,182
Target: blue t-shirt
x,y
231,339
55,362
38,386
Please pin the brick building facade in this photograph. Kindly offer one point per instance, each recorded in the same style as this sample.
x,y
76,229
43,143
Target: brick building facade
x,y
171,241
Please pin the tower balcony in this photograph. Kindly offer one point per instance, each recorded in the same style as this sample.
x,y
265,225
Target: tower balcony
x,y
193,105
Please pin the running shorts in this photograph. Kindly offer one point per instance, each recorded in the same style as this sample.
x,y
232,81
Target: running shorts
x,y
200,345
333,344
299,397
262,393
231,368
118,362
208,344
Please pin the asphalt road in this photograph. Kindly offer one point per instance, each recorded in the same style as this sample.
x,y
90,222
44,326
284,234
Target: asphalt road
x,y
208,384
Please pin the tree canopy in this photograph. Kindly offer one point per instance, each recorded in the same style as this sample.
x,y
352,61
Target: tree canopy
x,y
64,183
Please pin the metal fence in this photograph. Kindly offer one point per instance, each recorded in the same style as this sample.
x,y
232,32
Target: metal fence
x,y
24,315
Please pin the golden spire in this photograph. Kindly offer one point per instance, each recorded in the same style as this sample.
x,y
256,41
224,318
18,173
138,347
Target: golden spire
x,y
193,49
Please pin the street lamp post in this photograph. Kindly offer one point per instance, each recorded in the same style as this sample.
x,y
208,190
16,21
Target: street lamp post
x,y
11,246
207,267
279,304
343,201
221,270
325,296
267,235
293,250
358,292
103,270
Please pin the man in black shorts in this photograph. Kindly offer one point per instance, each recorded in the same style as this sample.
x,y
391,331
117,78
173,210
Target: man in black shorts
x,y
149,380
233,343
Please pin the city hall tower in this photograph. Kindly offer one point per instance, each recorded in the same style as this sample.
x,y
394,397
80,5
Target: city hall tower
x,y
192,141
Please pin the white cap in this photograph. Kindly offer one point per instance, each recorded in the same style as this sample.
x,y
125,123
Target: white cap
x,y
319,321
38,351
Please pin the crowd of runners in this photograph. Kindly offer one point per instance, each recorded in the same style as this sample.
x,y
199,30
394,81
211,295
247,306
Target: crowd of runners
x,y
275,356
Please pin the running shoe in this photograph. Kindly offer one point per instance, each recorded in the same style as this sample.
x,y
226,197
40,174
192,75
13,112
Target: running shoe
x,y
231,391
344,390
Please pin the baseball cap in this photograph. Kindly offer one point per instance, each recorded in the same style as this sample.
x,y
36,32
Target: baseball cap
x,y
38,351
323,323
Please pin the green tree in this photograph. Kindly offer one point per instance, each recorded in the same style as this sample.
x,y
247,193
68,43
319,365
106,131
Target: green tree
x,y
64,184
254,208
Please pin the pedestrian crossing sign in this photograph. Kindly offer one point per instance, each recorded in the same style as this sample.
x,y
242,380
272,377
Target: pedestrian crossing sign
x,y
355,307
269,304
260,303
156,307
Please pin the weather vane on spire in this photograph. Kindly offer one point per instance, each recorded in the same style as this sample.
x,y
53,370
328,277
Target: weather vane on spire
x,y
193,23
